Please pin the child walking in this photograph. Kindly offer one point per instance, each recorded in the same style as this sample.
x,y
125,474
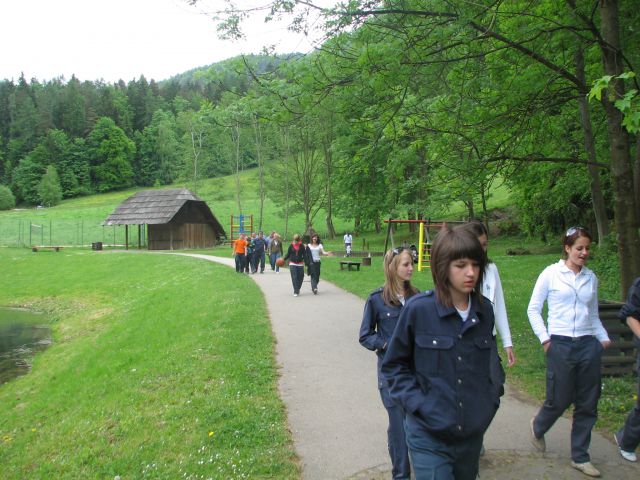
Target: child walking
x,y
438,362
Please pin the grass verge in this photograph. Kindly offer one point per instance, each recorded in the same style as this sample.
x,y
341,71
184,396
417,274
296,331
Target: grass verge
x,y
162,367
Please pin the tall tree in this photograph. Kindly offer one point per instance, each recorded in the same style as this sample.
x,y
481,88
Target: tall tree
x,y
49,189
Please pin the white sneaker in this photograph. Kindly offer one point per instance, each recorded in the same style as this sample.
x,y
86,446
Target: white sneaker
x,y
629,456
295,294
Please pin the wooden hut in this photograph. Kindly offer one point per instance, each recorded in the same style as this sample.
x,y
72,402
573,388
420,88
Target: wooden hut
x,y
175,219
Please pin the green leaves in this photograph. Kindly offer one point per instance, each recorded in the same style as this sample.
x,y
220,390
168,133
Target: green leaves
x,y
628,104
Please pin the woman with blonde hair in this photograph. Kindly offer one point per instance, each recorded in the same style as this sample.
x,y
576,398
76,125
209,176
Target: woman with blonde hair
x,y
381,312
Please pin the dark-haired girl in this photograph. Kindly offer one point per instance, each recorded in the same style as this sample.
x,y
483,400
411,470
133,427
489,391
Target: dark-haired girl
x,y
315,250
438,362
573,340
379,320
297,257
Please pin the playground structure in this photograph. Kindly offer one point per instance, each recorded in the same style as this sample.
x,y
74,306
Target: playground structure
x,y
239,225
424,238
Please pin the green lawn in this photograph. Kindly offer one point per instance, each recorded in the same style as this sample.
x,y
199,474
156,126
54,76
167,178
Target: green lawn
x,y
162,367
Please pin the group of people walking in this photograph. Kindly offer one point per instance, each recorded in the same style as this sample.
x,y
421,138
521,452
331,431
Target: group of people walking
x,y
439,373
251,251
250,256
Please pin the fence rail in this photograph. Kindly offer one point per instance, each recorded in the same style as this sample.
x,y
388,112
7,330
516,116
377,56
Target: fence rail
x,y
25,232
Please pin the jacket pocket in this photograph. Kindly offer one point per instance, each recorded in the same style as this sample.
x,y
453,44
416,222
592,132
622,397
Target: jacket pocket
x,y
431,353
480,362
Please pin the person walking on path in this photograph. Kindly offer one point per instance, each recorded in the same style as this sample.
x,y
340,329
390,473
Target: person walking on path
x,y
240,252
275,251
573,341
381,311
259,246
315,250
628,437
296,255
438,363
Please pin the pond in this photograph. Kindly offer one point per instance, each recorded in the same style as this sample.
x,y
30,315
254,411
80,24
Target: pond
x,y
22,334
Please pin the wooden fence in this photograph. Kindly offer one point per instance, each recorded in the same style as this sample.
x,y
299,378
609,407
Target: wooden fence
x,y
620,357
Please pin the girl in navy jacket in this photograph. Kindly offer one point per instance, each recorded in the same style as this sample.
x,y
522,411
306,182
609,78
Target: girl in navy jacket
x,y
438,362
379,320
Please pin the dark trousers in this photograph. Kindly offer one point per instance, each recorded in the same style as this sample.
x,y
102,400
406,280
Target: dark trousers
x,y
314,273
239,258
434,459
629,435
498,377
248,261
573,376
297,276
396,442
258,260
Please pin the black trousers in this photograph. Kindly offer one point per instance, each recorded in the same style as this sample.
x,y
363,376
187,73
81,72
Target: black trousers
x,y
314,273
573,376
297,276
629,435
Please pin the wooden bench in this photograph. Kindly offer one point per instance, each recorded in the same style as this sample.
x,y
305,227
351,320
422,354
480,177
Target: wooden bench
x,y
349,264
35,248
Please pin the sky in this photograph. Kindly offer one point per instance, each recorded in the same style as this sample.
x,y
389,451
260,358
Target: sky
x,y
122,39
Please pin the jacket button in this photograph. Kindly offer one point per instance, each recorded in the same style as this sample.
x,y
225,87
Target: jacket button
x,y
460,404
473,320
459,428
459,381
459,359
435,342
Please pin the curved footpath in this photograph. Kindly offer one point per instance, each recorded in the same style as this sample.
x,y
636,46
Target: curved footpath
x,y
328,384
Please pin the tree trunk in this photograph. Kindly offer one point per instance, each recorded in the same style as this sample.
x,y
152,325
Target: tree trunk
x,y
258,139
235,135
597,198
621,173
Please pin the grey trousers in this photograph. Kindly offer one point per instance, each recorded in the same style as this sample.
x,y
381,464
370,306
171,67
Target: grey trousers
x,y
573,376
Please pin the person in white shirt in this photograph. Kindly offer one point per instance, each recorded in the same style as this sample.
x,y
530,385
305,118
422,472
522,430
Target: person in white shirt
x,y
348,240
314,251
573,341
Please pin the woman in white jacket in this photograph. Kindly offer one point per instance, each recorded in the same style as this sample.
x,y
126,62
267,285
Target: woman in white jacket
x,y
573,340
492,289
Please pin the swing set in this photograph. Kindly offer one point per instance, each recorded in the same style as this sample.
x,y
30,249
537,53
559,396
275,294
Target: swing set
x,y
422,253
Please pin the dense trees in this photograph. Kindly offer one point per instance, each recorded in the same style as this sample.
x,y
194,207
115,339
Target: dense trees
x,y
456,95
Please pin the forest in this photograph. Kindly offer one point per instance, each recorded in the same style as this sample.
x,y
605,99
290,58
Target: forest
x,y
407,107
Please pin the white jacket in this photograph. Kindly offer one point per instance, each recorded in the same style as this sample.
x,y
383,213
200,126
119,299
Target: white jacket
x,y
492,289
572,301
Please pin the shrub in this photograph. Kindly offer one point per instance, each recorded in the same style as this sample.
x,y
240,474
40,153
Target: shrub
x,y
7,200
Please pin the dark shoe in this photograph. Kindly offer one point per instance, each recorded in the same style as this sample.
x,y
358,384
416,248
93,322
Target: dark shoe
x,y
538,443
315,291
587,468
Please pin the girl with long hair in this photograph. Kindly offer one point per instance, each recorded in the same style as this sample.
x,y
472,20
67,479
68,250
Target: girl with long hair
x,y
379,320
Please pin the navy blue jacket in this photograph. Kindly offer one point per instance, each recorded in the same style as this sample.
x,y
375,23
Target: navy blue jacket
x,y
438,368
378,323
632,309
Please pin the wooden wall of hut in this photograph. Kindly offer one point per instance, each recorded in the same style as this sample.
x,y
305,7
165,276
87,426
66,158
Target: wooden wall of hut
x,y
180,236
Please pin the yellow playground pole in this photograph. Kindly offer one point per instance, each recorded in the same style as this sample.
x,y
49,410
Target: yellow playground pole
x,y
420,247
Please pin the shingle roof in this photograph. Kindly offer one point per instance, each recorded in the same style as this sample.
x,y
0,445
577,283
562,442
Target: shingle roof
x,y
150,207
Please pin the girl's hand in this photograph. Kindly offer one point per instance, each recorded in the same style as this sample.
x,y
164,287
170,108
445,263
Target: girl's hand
x,y
546,346
511,357
606,344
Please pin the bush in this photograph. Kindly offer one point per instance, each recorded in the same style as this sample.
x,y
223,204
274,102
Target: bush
x,y
7,200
